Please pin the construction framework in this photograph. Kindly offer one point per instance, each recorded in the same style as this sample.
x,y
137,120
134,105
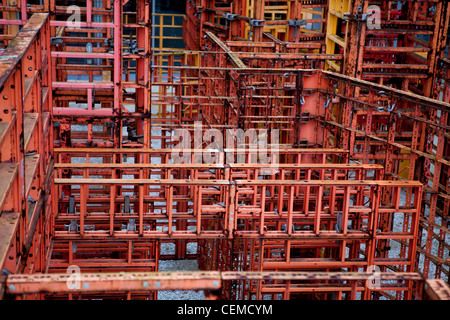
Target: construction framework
x,y
300,151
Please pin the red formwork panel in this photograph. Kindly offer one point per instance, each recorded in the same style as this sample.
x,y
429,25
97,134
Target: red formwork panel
x,y
26,150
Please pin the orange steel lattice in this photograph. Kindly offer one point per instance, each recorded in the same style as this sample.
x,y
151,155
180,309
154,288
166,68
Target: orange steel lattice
x,y
352,179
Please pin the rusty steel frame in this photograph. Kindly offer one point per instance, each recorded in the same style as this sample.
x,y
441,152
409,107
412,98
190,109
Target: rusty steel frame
x,y
210,219
394,54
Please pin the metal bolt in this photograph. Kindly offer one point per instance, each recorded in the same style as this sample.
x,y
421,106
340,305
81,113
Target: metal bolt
x,y
12,287
158,284
146,284
215,283
85,285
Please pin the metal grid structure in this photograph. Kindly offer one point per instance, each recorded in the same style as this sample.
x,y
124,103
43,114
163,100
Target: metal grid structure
x,y
356,181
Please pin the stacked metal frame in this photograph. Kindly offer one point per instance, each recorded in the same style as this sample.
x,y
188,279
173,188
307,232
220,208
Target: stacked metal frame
x,y
302,21
355,182
408,135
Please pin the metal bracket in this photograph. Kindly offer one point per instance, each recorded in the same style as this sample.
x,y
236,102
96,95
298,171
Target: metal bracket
x,y
230,16
256,23
73,226
391,107
297,23
131,226
56,40
133,47
109,42
89,50
305,117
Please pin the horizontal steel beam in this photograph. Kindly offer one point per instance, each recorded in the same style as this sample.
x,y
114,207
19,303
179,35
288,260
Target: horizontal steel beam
x,y
150,281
